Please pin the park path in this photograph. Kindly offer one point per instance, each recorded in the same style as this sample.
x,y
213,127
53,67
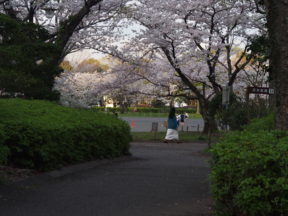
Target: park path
x,y
158,180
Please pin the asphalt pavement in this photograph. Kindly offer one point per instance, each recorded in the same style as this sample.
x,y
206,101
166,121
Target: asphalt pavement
x,y
157,180
144,124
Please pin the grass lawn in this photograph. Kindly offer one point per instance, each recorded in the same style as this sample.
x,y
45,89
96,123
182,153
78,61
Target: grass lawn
x,y
159,136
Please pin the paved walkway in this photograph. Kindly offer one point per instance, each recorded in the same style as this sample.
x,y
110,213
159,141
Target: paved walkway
x,y
158,180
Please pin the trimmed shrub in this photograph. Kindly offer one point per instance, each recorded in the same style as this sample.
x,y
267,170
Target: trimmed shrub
x,y
250,172
266,123
108,109
43,135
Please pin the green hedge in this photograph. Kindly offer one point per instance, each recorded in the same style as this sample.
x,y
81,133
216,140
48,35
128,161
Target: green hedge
x,y
250,172
108,109
266,123
4,150
145,109
43,135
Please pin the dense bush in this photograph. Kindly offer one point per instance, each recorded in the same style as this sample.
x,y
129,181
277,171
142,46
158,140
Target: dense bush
x,y
250,172
43,135
157,103
238,113
22,44
146,109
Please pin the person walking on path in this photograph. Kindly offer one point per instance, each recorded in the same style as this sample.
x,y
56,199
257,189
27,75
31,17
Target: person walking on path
x,y
172,132
181,120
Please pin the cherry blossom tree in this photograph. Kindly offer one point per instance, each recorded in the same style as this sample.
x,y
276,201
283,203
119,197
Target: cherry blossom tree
x,y
69,21
92,79
196,41
178,47
78,89
82,85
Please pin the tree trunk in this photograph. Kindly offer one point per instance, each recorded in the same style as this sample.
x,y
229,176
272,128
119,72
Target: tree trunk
x,y
198,108
210,124
30,16
278,32
68,27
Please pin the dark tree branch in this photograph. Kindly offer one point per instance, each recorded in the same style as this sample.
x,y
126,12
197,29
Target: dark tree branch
x,y
184,79
238,67
258,7
68,27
